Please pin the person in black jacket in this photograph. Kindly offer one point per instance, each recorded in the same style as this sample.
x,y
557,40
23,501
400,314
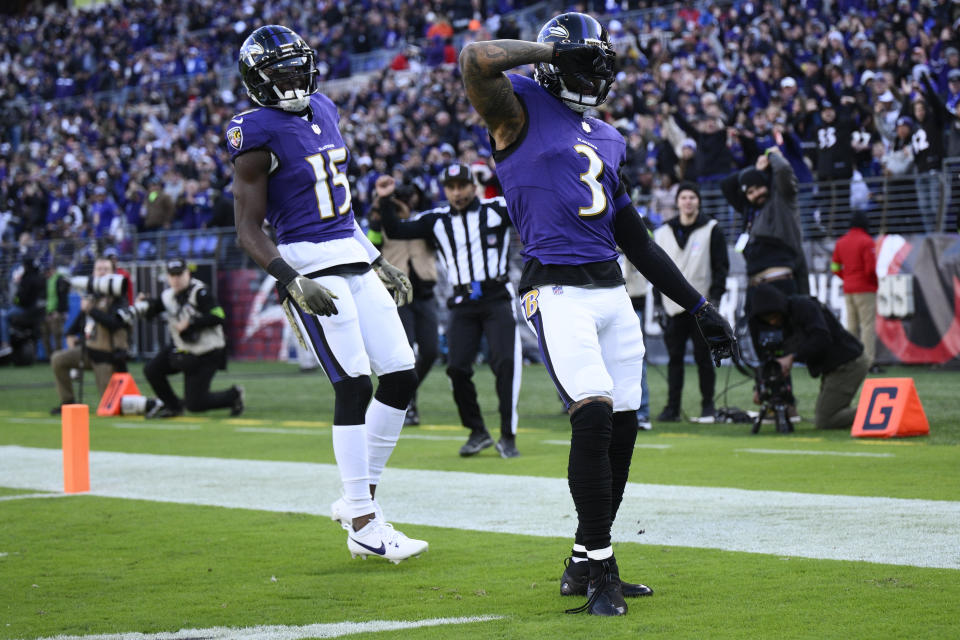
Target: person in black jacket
x,y
814,336
928,146
835,158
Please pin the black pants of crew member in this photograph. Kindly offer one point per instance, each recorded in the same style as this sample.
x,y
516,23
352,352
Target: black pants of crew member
x,y
468,322
198,372
681,328
419,320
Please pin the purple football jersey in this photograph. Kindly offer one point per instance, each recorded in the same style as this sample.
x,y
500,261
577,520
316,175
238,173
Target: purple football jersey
x,y
308,195
559,180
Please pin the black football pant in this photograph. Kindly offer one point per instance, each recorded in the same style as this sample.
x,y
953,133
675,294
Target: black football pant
x,y
198,372
493,319
419,320
681,328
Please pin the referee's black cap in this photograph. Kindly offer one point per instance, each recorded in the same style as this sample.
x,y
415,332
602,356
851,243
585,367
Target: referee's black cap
x,y
456,172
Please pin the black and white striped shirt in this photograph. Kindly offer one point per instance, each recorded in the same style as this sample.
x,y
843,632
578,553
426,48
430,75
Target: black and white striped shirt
x,y
473,243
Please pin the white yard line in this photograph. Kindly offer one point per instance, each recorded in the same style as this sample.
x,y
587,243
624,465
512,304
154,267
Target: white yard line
x,y
808,452
283,632
281,430
156,426
31,496
921,533
566,443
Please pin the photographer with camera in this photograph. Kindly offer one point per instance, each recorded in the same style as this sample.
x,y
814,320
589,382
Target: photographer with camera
x,y
99,336
799,328
771,242
197,349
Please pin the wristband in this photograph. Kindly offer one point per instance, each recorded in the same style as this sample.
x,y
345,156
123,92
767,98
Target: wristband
x,y
376,261
284,273
700,304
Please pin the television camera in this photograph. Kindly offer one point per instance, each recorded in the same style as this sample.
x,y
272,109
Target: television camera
x,y
773,386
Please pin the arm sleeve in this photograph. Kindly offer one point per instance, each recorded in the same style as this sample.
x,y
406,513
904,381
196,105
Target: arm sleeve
x,y
210,314
361,237
935,104
719,264
730,186
409,229
783,176
632,235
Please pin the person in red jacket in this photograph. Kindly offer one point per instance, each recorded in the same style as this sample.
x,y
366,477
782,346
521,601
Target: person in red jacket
x,y
855,262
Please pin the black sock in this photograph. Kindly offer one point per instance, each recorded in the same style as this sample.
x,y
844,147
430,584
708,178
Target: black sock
x,y
589,474
621,452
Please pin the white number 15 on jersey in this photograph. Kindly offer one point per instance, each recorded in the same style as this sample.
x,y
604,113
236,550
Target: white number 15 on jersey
x,y
334,158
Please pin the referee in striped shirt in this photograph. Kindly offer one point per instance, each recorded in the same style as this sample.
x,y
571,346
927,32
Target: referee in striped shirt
x,y
472,236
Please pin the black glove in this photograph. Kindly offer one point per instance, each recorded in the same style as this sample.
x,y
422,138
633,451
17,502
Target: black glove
x,y
576,60
395,280
717,332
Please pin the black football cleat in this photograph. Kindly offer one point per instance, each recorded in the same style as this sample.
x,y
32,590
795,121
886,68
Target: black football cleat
x,y
604,593
507,447
576,576
237,408
477,442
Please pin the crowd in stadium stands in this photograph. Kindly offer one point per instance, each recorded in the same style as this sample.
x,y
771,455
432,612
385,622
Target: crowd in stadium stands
x,y
849,90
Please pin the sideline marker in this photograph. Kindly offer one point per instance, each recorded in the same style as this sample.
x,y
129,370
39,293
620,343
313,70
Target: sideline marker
x,y
889,407
121,384
75,419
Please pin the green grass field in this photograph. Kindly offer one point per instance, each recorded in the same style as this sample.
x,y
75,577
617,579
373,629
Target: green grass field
x,y
97,565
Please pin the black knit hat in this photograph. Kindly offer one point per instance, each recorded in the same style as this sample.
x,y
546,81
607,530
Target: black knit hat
x,y
766,298
753,177
686,185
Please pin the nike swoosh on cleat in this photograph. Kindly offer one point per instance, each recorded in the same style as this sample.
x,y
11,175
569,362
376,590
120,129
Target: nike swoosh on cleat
x,y
379,551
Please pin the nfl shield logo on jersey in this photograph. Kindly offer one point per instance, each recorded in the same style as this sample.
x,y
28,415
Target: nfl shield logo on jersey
x,y
235,137
557,290
316,129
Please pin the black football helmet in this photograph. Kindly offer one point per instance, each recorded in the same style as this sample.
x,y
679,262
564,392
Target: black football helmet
x,y
278,68
576,27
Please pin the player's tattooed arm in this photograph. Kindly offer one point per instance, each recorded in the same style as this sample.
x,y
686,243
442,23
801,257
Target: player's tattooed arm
x,y
488,88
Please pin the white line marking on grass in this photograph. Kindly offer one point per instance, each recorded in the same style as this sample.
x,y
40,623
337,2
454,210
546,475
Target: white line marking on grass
x,y
284,632
29,496
920,533
802,452
566,443
34,420
420,436
298,432
155,426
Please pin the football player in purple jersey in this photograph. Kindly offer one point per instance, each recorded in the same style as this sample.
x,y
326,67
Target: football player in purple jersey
x,y
559,169
289,160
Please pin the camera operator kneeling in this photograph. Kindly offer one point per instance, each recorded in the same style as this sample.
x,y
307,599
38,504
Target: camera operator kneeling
x,y
812,335
197,348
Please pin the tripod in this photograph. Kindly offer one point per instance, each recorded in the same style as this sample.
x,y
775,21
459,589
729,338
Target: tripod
x,y
778,411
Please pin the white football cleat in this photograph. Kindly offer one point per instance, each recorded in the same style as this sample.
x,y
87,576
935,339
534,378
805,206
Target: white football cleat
x,y
338,513
379,538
